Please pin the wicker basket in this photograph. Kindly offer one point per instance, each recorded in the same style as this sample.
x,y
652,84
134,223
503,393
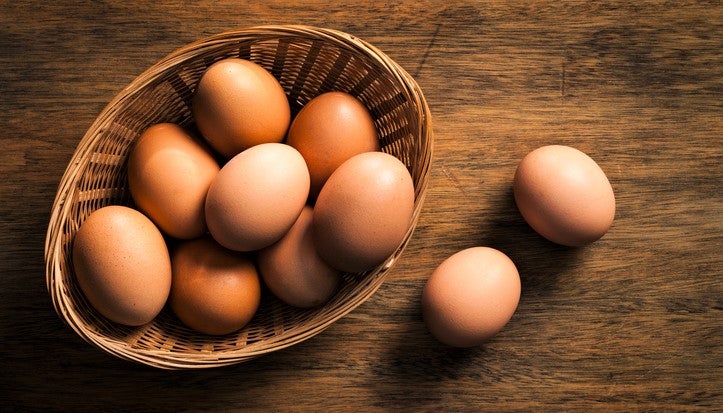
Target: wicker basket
x,y
307,62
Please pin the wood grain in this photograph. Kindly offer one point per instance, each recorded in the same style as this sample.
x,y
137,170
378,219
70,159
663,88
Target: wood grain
x,y
629,323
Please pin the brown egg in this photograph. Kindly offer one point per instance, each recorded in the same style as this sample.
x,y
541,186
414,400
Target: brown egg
x,y
238,104
169,173
564,195
257,196
328,130
122,265
363,212
293,270
471,296
215,290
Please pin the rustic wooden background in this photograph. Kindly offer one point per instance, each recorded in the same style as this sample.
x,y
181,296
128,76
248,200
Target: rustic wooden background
x,y
630,323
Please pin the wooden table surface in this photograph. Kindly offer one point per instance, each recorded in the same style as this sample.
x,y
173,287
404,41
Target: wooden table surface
x,y
632,322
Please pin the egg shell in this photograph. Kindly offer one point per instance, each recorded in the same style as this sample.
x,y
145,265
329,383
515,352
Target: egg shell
x,y
122,265
564,195
239,104
328,130
293,270
471,296
215,291
169,173
257,196
363,212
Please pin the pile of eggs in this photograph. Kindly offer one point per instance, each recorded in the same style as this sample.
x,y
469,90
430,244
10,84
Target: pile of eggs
x,y
257,199
260,199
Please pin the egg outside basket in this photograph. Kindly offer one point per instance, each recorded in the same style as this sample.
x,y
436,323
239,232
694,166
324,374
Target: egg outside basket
x,y
307,61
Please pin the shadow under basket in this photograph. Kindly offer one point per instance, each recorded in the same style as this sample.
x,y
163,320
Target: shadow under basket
x,y
307,61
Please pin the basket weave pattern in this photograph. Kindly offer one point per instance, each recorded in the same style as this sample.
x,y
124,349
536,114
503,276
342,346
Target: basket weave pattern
x,y
307,62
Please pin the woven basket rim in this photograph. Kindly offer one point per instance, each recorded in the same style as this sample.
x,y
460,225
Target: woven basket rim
x,y
61,209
